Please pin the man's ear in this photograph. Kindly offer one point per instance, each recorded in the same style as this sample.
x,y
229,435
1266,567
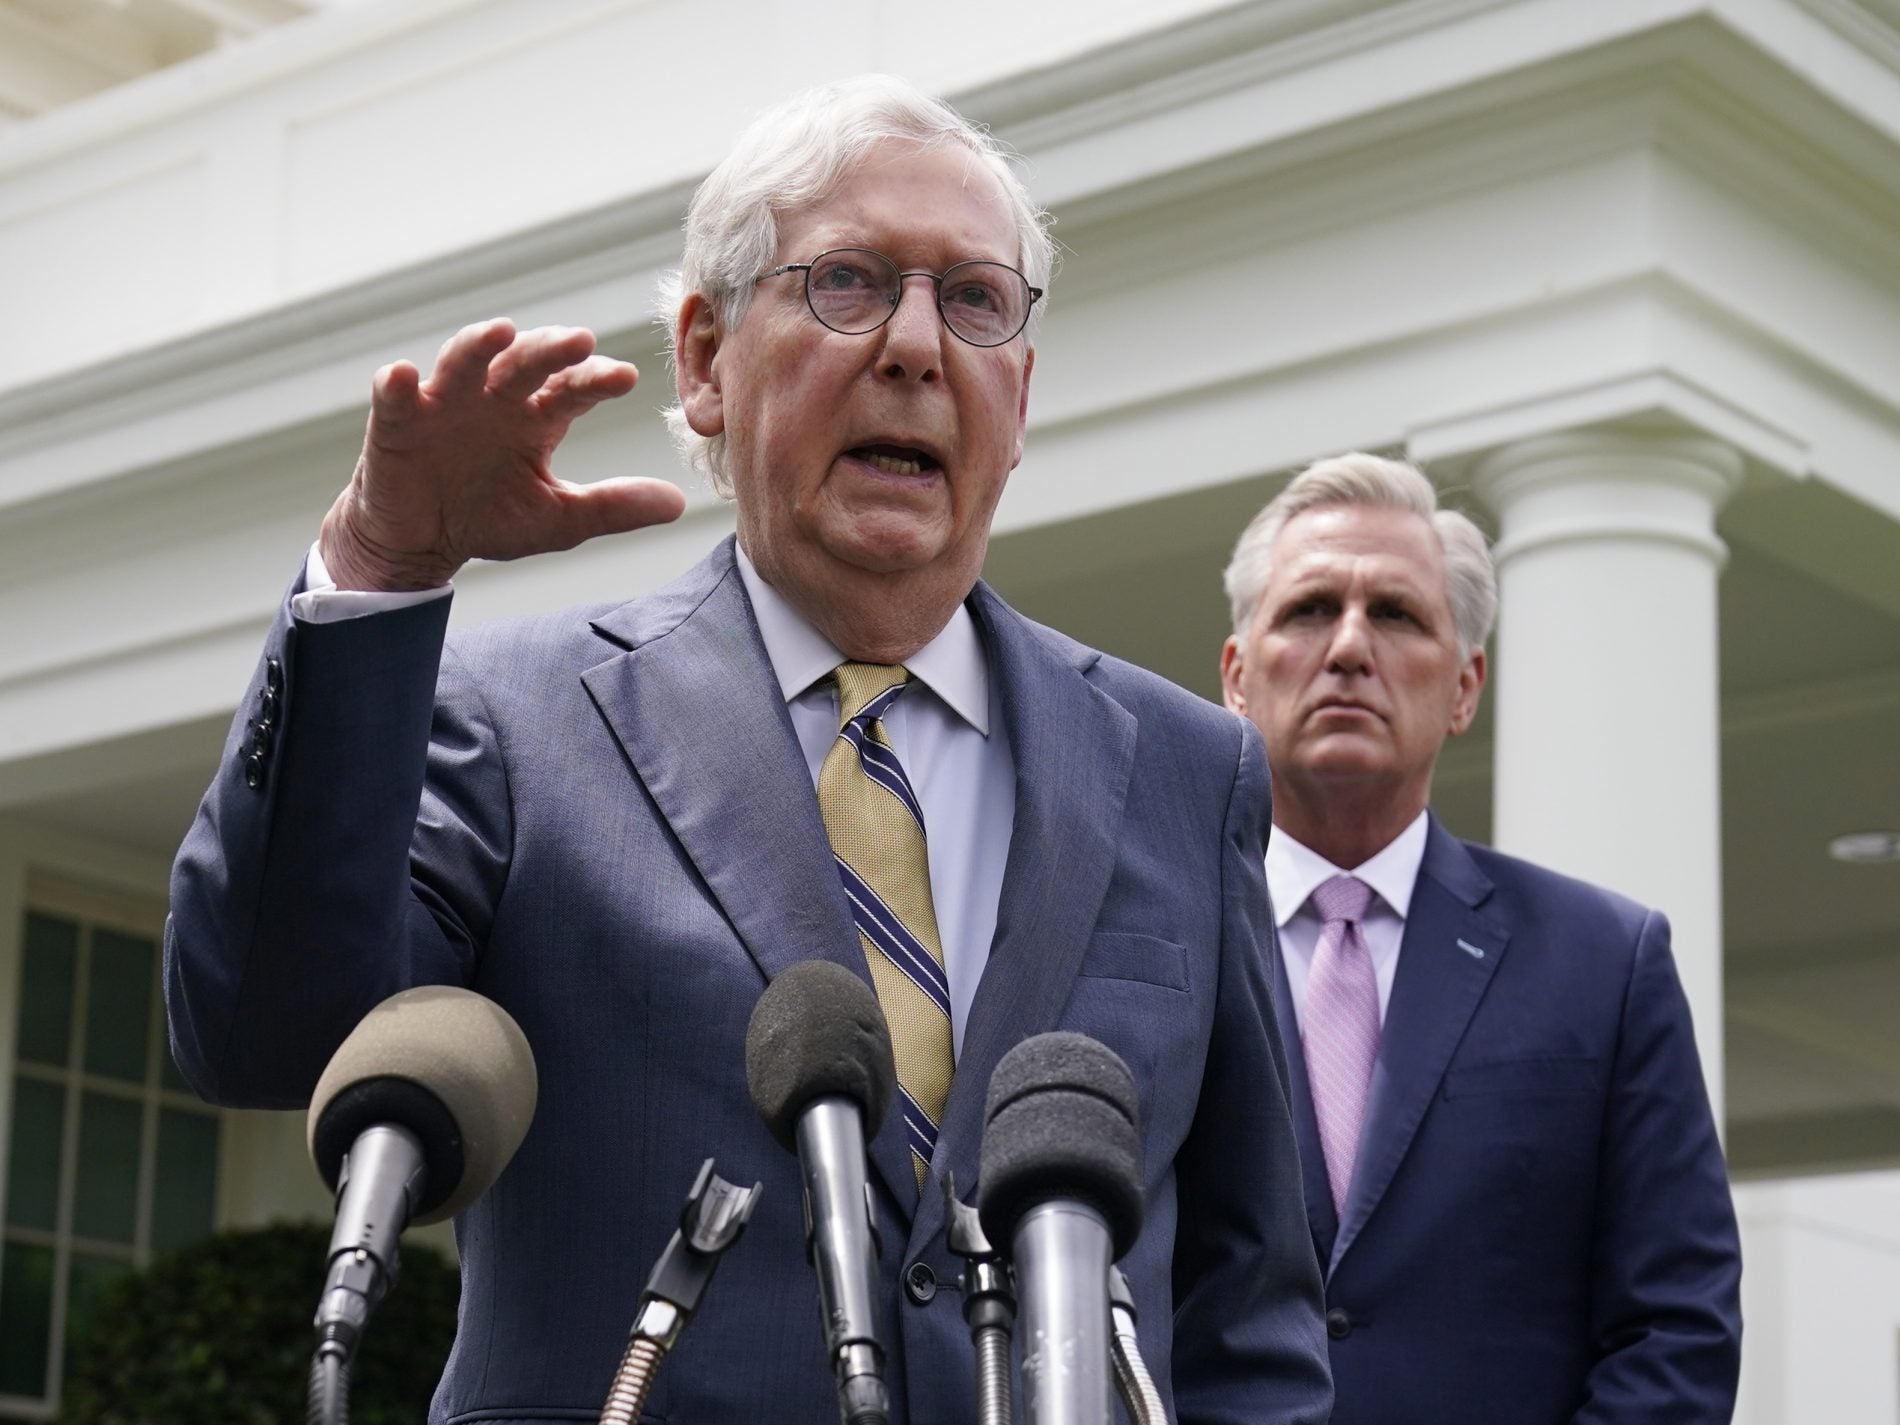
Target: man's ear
x,y
1230,677
1470,685
696,342
1022,408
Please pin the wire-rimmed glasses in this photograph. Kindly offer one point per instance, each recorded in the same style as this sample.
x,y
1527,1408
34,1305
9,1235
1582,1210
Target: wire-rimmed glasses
x,y
854,290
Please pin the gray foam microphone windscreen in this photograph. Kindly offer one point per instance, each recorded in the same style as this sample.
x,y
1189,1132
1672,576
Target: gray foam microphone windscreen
x,y
1062,1121
447,1064
817,1030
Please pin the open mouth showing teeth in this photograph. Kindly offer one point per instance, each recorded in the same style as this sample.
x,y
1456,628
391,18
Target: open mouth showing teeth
x,y
894,459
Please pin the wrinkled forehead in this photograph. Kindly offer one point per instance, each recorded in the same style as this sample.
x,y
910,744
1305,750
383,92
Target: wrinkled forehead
x,y
1375,546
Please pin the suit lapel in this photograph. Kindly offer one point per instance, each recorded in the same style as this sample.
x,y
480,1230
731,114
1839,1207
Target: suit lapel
x,y
1074,751
1319,1192
696,708
1446,961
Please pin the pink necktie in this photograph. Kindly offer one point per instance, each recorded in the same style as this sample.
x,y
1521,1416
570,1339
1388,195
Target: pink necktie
x,y
1339,1030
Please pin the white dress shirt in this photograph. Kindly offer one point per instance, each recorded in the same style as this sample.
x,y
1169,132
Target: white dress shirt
x,y
948,734
1295,871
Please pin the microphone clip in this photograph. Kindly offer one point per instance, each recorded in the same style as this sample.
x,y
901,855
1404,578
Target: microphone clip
x,y
716,1212
988,1287
989,1304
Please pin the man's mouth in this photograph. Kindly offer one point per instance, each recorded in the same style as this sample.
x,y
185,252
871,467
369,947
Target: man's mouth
x,y
895,459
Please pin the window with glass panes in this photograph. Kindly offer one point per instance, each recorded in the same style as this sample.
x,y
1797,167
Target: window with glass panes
x,y
111,1158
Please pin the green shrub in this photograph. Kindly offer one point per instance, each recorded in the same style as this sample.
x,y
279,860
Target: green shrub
x,y
219,1333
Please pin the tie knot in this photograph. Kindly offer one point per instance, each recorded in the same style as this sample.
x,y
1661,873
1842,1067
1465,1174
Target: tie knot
x,y
861,684
1342,898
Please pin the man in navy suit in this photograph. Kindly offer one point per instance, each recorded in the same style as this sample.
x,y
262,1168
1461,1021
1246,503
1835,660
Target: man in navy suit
x,y
606,821
1513,1180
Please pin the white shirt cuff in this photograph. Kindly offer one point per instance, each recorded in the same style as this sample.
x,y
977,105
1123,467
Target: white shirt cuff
x,y
322,602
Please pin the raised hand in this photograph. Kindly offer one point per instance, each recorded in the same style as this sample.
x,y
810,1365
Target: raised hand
x,y
456,467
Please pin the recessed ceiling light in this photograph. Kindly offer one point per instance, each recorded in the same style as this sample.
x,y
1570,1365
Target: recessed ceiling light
x,y
1865,847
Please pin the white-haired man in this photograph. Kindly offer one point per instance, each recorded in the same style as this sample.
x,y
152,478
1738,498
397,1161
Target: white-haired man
x,y
1512,1175
621,823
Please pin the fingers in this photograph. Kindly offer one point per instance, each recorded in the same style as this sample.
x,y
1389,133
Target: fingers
x,y
576,389
520,370
462,366
493,357
393,393
395,403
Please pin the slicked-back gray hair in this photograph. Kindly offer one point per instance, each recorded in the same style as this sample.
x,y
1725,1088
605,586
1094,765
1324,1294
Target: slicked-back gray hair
x,y
1471,584
791,157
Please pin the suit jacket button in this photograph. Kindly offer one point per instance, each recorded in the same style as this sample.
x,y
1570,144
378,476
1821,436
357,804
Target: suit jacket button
x,y
273,675
1338,1323
254,771
920,1283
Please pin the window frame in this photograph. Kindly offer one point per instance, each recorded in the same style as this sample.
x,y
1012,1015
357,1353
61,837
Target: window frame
x,y
93,909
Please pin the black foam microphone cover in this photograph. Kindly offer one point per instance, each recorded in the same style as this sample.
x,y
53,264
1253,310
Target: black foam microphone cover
x,y
1062,1121
448,1065
817,1031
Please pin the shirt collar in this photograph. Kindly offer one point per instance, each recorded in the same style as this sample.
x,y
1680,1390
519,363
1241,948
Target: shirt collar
x,y
1295,871
952,665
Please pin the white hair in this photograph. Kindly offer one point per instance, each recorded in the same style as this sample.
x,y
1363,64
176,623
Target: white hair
x,y
1471,585
790,158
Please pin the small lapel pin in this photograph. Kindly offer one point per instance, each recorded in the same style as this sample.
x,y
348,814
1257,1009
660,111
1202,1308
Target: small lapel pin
x,y
1472,950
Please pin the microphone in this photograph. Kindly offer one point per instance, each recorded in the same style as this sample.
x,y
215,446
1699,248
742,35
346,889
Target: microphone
x,y
416,1115
1060,1181
818,1063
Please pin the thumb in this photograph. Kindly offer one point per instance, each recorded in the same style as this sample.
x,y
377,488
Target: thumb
x,y
618,505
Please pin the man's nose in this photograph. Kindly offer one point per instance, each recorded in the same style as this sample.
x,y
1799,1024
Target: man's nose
x,y
914,336
1351,646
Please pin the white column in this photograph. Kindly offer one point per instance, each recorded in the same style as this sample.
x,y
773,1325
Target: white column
x,y
1608,750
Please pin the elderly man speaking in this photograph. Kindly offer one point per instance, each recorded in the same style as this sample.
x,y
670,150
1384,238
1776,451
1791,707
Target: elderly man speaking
x,y
614,821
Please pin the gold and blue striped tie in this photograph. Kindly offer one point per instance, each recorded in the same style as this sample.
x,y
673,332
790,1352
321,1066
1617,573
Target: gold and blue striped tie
x,y
877,837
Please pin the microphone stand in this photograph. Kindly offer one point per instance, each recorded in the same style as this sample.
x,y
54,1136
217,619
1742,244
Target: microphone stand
x,y
715,1214
989,1305
1132,1381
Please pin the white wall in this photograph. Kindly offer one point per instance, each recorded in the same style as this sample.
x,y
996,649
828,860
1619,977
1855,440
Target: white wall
x,y
1821,1301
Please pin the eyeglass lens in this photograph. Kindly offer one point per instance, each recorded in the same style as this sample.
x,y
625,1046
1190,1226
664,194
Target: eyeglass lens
x,y
853,290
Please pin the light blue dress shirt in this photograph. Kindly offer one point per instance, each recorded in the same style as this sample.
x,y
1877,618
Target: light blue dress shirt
x,y
949,736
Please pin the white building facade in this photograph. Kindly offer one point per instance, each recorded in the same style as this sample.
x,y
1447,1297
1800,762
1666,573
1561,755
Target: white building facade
x,y
1623,275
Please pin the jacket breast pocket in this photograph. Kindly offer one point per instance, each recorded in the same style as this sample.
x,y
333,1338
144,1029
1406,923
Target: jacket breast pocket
x,y
1142,959
1132,994
1525,1131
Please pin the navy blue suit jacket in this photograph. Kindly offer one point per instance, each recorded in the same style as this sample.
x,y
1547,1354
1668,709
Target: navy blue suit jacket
x,y
603,821
1539,1227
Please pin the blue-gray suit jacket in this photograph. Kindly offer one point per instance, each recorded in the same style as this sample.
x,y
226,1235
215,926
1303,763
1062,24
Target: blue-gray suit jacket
x,y
1539,1229
603,821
